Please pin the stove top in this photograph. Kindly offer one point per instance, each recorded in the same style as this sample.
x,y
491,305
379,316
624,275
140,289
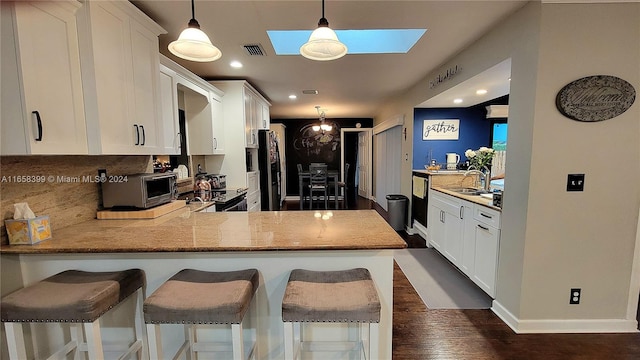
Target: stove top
x,y
226,195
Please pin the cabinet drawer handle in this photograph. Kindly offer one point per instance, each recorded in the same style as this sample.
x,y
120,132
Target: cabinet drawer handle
x,y
215,143
487,216
39,124
137,135
143,135
483,228
461,212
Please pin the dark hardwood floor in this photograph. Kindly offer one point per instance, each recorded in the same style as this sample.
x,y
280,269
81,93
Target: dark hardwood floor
x,y
420,333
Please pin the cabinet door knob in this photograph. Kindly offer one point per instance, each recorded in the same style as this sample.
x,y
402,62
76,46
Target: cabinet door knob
x,y
39,124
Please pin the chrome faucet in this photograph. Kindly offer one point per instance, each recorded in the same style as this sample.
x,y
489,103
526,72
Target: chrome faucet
x,y
483,176
198,198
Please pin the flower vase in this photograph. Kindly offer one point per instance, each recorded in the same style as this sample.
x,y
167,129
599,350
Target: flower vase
x,y
487,177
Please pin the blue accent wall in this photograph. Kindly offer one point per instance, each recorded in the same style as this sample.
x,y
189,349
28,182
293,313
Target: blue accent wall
x,y
474,132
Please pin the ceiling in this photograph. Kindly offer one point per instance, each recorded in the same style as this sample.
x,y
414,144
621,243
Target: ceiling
x,y
354,86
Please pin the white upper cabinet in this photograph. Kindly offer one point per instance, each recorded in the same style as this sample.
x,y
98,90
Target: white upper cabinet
x,y
121,78
250,128
264,120
244,111
202,106
169,108
42,99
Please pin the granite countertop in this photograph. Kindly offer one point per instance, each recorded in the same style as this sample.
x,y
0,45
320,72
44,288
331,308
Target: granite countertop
x,y
440,172
477,199
187,231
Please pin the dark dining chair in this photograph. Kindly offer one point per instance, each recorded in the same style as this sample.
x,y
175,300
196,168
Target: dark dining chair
x,y
343,185
318,183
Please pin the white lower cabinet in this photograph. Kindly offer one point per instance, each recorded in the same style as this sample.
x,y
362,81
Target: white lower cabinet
x,y
468,235
445,215
253,191
487,241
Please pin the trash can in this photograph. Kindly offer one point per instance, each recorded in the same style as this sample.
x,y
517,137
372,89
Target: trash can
x,y
397,210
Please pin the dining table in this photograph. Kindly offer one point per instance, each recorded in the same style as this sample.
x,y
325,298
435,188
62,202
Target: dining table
x,y
333,176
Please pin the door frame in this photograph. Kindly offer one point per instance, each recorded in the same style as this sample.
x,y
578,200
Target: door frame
x,y
369,155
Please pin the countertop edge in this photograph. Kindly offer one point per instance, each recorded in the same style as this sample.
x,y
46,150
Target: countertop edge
x,y
476,199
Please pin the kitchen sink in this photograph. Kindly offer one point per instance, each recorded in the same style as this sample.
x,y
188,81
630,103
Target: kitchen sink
x,y
468,191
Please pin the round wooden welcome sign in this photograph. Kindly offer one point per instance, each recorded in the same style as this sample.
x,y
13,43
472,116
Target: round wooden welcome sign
x,y
595,98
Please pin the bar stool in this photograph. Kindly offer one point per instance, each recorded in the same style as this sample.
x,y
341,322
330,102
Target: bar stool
x,y
194,297
79,299
347,296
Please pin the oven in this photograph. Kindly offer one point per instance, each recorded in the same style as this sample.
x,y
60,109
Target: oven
x,y
238,203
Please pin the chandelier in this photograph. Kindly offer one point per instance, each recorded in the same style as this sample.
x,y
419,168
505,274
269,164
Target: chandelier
x,y
322,125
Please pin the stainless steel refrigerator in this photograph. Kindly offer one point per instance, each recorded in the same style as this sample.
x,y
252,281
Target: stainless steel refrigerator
x,y
270,172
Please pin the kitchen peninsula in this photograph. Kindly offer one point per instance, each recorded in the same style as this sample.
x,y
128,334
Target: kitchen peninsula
x,y
272,242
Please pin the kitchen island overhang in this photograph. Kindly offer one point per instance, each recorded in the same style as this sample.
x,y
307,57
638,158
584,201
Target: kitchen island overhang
x,y
273,242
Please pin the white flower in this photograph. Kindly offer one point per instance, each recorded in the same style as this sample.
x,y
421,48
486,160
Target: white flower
x,y
481,157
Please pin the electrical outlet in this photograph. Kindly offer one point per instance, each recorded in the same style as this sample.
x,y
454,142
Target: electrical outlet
x,y
575,182
574,298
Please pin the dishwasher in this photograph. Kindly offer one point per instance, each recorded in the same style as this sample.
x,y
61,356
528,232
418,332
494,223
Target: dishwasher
x,y
420,198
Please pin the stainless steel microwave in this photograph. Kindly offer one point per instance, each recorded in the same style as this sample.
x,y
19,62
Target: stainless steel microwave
x,y
141,191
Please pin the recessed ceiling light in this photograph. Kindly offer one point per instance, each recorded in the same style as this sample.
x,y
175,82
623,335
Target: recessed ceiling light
x,y
292,97
236,64
481,92
457,101
310,92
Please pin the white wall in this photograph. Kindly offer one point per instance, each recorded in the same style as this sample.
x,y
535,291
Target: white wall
x,y
553,240
583,239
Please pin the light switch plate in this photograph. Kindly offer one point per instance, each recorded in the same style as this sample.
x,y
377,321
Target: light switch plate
x,y
575,182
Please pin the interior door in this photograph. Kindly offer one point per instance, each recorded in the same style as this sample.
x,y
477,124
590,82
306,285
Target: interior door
x,y
364,144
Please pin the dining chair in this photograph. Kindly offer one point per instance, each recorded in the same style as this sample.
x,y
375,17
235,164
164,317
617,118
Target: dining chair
x,y
343,185
318,183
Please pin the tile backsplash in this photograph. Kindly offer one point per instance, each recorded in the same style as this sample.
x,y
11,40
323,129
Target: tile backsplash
x,y
54,186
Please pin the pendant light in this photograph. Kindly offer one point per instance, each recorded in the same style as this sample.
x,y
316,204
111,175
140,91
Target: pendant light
x,y
193,44
323,43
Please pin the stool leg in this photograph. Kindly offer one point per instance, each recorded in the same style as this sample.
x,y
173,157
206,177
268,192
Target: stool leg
x,y
364,341
190,334
289,346
238,342
94,340
78,337
15,341
154,341
374,340
140,330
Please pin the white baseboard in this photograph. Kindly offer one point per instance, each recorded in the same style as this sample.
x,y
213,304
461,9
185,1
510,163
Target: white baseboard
x,y
563,325
420,230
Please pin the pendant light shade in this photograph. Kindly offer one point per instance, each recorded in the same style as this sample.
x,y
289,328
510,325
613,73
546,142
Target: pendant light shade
x,y
193,44
323,43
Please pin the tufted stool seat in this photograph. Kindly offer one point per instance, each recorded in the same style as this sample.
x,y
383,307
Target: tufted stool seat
x,y
346,296
194,297
76,297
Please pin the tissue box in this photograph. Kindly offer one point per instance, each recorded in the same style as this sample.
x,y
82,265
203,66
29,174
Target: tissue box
x,y
28,231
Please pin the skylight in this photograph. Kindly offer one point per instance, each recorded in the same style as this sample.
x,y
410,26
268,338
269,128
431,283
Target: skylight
x,y
372,41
